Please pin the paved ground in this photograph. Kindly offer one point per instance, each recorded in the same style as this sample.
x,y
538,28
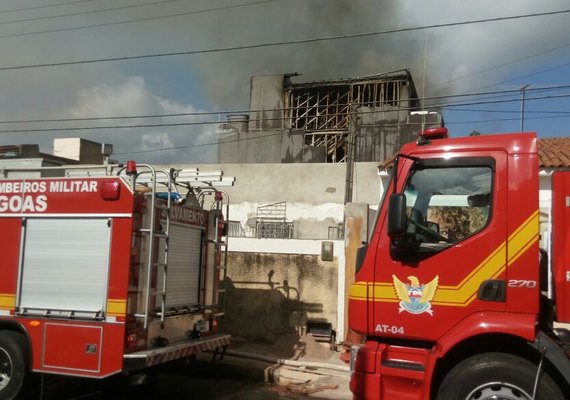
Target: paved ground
x,y
249,371
322,374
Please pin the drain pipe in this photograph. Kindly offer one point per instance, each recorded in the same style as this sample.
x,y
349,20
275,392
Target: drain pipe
x,y
290,363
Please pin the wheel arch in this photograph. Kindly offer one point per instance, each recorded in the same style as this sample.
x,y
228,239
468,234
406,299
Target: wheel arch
x,y
17,327
488,343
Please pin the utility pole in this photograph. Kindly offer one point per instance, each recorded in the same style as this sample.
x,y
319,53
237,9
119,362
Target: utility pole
x,y
350,155
523,89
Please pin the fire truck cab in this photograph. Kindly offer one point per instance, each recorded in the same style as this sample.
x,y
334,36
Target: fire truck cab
x,y
108,269
453,297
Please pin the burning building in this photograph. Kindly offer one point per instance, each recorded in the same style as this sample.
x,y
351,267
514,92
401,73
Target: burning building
x,y
361,119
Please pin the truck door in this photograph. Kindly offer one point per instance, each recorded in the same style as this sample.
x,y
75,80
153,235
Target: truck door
x,y
451,261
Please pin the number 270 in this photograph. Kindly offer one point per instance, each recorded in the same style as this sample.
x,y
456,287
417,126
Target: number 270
x,y
515,283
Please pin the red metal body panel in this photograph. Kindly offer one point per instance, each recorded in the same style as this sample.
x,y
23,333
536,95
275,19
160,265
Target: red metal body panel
x,y
59,345
10,232
33,197
561,243
80,351
385,371
119,267
523,220
520,325
506,250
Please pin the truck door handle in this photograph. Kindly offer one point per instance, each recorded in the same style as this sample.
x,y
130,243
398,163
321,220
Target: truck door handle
x,y
492,290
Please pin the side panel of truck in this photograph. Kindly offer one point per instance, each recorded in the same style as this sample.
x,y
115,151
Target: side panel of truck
x,y
65,268
561,244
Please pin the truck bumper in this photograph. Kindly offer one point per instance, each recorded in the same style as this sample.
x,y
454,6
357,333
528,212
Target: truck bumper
x,y
160,355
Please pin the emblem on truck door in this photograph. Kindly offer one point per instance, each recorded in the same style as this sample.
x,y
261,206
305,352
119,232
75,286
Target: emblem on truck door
x,y
415,298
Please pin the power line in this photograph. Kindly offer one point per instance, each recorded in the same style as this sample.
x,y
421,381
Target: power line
x,y
86,12
505,111
482,121
525,76
231,112
43,6
499,66
280,133
136,20
500,101
196,123
86,128
193,114
189,146
269,44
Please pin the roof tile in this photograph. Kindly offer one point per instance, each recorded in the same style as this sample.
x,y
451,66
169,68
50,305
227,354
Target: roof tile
x,y
554,152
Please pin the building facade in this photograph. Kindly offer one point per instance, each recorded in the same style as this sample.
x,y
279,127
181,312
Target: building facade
x,y
339,121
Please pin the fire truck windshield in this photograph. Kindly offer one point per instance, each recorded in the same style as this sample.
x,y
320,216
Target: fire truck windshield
x,y
445,203
439,199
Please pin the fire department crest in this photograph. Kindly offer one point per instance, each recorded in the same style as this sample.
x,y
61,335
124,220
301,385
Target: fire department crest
x,y
415,298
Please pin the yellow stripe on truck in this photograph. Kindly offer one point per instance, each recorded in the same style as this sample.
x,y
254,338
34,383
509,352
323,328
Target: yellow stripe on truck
x,y
116,307
462,294
7,301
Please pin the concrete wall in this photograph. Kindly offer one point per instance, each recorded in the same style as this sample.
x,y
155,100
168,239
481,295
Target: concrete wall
x,y
82,150
28,163
266,102
272,294
314,193
295,183
275,285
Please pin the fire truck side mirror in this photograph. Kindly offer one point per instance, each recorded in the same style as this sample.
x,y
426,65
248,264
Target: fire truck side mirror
x,y
397,219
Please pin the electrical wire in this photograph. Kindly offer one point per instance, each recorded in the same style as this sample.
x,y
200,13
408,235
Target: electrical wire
x,y
524,76
484,121
234,112
143,19
75,14
518,60
195,123
65,3
264,45
280,134
481,110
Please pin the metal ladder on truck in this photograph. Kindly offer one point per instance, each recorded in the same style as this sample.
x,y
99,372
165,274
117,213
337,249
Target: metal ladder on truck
x,y
190,179
150,178
207,183
219,303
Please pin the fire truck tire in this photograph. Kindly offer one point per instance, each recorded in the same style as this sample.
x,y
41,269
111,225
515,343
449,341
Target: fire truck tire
x,y
13,364
496,376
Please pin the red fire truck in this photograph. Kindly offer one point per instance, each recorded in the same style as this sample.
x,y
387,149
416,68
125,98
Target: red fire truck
x,y
453,296
108,270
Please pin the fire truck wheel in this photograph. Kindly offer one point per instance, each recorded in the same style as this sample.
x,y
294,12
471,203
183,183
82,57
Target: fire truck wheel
x,y
496,376
13,365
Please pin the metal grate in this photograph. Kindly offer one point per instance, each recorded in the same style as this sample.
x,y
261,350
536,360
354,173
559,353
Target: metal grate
x,y
275,230
336,232
272,212
272,222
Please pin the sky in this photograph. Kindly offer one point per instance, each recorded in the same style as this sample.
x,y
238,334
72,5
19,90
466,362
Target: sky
x,y
98,64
